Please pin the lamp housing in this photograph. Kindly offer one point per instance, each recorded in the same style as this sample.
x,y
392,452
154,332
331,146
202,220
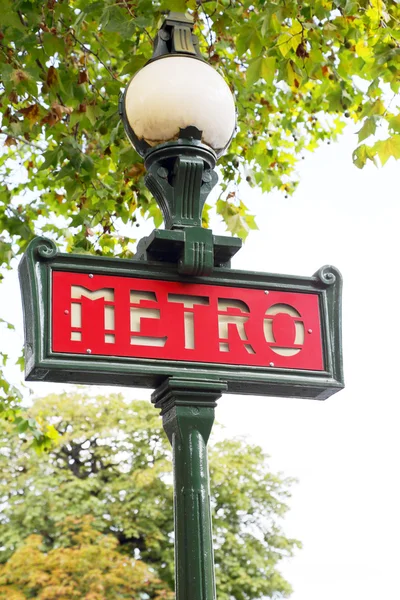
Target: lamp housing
x,y
177,90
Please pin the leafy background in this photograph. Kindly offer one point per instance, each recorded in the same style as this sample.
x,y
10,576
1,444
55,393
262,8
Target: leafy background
x,y
92,518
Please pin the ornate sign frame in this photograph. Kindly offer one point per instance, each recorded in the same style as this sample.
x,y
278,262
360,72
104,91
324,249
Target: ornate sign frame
x,y
42,259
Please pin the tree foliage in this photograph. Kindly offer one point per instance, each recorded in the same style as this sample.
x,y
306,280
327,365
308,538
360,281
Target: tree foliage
x,y
113,462
90,568
298,71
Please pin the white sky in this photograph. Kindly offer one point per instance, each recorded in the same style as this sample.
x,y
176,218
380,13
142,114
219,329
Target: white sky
x,y
344,451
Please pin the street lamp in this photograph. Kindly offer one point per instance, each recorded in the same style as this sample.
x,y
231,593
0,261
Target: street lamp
x,y
179,114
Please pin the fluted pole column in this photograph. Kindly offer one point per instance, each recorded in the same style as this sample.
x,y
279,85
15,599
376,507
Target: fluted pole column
x,y
187,408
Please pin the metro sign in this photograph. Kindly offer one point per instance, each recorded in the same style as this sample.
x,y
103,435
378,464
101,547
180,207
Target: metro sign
x,y
110,321
122,316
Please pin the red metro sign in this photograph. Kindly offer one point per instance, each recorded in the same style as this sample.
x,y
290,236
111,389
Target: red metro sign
x,y
106,321
119,316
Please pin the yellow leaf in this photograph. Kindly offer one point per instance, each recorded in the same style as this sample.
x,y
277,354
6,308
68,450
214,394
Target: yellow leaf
x,y
293,78
284,43
388,148
363,50
268,69
275,24
296,31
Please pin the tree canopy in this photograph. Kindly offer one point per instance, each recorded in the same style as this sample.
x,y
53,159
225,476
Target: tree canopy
x,y
299,70
112,462
89,568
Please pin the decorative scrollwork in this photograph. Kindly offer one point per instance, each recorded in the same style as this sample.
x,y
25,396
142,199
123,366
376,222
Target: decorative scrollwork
x,y
328,274
45,248
180,176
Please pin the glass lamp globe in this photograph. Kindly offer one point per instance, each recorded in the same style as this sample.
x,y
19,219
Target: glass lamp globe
x,y
173,93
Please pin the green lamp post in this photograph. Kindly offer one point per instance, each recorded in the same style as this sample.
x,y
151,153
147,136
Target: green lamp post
x,y
179,114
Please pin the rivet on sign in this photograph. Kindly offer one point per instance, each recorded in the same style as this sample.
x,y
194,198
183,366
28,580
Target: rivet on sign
x,y
88,351
267,291
309,330
66,312
91,275
271,364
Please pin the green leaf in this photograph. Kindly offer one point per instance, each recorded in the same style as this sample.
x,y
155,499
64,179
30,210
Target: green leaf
x,y
87,164
92,113
92,7
237,225
361,154
8,325
275,23
23,426
9,17
50,159
116,20
253,72
261,68
249,39
368,128
394,123
268,69
21,362
175,5
127,157
134,64
53,43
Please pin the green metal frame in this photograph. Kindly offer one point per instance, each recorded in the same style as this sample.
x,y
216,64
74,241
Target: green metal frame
x,y
41,258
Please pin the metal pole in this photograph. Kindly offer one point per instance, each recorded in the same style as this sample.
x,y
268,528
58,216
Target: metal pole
x,y
187,408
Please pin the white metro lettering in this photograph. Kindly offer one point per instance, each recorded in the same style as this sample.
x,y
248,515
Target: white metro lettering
x,y
232,316
189,302
107,294
284,329
138,312
197,324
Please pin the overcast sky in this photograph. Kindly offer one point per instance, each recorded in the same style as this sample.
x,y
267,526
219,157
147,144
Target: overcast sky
x,y
344,451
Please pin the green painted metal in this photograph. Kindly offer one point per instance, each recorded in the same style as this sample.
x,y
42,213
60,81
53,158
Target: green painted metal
x,y
41,258
187,408
180,176
175,37
163,245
